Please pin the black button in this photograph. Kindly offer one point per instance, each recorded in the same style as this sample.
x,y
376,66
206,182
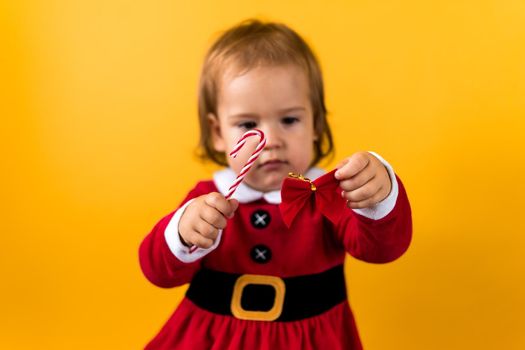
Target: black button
x,y
260,219
261,254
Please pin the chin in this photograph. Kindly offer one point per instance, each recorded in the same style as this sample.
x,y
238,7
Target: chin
x,y
268,186
276,180
267,183
276,187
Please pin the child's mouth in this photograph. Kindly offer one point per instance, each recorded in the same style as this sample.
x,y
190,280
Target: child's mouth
x,y
272,164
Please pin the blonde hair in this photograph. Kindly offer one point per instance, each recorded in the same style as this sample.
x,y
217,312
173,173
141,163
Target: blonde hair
x,y
248,45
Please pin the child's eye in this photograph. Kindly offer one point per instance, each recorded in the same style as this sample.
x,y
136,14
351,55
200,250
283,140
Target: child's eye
x,y
290,120
247,125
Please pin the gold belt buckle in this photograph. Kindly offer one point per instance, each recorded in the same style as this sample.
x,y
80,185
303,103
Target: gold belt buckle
x,y
270,315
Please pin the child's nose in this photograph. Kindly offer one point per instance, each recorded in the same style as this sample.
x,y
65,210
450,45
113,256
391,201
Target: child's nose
x,y
273,138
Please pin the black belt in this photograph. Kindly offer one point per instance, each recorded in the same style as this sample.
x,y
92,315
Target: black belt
x,y
267,298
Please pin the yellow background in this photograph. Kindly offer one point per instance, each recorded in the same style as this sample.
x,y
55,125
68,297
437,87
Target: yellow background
x,y
98,131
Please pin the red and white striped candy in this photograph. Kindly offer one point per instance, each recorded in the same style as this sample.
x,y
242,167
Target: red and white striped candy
x,y
251,160
247,166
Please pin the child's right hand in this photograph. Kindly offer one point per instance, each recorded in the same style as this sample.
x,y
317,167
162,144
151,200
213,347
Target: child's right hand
x,y
204,217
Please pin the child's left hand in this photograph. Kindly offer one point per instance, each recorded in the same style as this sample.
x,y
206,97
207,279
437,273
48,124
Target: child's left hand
x,y
364,180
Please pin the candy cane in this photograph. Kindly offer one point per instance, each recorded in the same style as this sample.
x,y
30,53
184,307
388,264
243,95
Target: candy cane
x,y
251,160
247,166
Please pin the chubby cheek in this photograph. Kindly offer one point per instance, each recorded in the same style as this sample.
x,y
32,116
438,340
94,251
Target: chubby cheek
x,y
237,167
265,181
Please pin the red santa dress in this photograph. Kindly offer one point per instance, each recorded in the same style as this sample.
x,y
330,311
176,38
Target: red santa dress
x,y
267,284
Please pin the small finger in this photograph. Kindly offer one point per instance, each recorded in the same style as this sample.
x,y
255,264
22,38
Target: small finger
x,y
362,193
201,241
367,203
355,164
207,230
358,180
217,201
234,204
213,217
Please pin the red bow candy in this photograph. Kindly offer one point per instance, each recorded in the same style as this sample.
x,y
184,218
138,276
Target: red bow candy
x,y
301,194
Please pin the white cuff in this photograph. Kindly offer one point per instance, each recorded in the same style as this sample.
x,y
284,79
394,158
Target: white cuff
x,y
182,252
383,208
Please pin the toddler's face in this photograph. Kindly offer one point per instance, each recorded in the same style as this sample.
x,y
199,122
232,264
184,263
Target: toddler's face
x,y
276,101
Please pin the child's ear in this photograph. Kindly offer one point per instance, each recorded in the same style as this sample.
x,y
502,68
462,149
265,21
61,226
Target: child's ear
x,y
216,135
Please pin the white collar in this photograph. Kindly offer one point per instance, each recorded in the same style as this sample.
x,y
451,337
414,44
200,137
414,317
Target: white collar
x,y
223,179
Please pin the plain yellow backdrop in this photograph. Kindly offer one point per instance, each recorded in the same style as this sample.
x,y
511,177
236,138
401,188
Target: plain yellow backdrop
x,y
99,127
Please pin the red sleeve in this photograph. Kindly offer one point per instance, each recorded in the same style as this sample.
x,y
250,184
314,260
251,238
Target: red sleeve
x,y
157,262
378,241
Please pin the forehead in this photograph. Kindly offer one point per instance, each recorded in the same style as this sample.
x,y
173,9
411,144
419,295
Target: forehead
x,y
263,89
